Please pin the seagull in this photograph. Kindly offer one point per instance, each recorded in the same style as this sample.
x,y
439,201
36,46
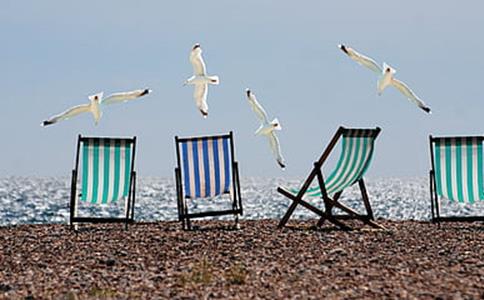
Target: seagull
x,y
267,128
94,105
200,79
387,79
386,76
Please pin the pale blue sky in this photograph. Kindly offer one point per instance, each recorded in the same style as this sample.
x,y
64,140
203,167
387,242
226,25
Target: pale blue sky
x,y
55,53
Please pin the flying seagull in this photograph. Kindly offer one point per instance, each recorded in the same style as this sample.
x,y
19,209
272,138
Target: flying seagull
x,y
94,105
200,79
386,76
267,128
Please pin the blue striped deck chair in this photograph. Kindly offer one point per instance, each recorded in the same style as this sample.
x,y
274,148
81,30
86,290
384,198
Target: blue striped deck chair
x,y
356,153
456,174
107,176
206,168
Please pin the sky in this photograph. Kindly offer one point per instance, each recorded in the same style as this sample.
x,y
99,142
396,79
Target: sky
x,y
56,53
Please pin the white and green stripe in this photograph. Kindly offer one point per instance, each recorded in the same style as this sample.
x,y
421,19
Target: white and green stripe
x,y
354,160
106,167
459,168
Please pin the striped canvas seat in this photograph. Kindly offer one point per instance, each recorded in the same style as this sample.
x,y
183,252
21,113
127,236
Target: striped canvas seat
x,y
106,169
458,168
356,153
206,166
357,145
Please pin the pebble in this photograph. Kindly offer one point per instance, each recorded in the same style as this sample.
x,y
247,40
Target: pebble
x,y
417,260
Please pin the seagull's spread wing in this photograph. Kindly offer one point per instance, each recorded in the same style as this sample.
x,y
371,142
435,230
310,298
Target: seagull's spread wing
x,y
124,96
257,108
404,89
361,59
367,62
200,96
71,112
276,149
197,62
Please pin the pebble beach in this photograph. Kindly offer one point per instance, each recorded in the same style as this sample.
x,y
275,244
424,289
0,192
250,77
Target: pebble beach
x,y
407,260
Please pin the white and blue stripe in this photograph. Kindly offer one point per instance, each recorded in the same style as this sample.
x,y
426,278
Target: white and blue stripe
x,y
206,166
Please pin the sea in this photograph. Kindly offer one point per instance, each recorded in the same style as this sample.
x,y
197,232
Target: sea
x,y
45,200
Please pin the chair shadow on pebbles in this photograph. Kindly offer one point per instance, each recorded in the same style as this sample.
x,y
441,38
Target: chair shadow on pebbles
x,y
306,227
205,226
101,228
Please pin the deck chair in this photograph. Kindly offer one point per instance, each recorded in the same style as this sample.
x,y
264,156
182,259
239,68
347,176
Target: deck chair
x,y
356,153
456,174
107,176
206,168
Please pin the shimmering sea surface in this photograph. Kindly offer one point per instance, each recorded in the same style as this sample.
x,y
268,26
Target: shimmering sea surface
x,y
35,200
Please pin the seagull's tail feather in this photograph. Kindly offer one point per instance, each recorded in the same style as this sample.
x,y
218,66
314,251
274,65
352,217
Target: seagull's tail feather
x,y
204,113
276,124
214,79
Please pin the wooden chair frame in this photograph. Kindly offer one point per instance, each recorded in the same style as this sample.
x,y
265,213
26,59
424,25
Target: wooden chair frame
x,y
184,215
129,218
434,198
329,202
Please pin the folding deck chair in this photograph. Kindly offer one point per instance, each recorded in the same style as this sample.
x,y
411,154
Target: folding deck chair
x,y
456,174
206,168
107,176
356,153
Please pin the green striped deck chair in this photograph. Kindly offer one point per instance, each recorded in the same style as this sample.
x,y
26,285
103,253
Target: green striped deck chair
x,y
357,147
107,176
206,169
456,174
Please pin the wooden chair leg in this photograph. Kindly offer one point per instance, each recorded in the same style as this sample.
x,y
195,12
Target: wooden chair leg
x,y
328,207
187,219
237,226
356,215
333,220
321,221
437,207
312,208
341,225
366,201
330,217
293,205
288,214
